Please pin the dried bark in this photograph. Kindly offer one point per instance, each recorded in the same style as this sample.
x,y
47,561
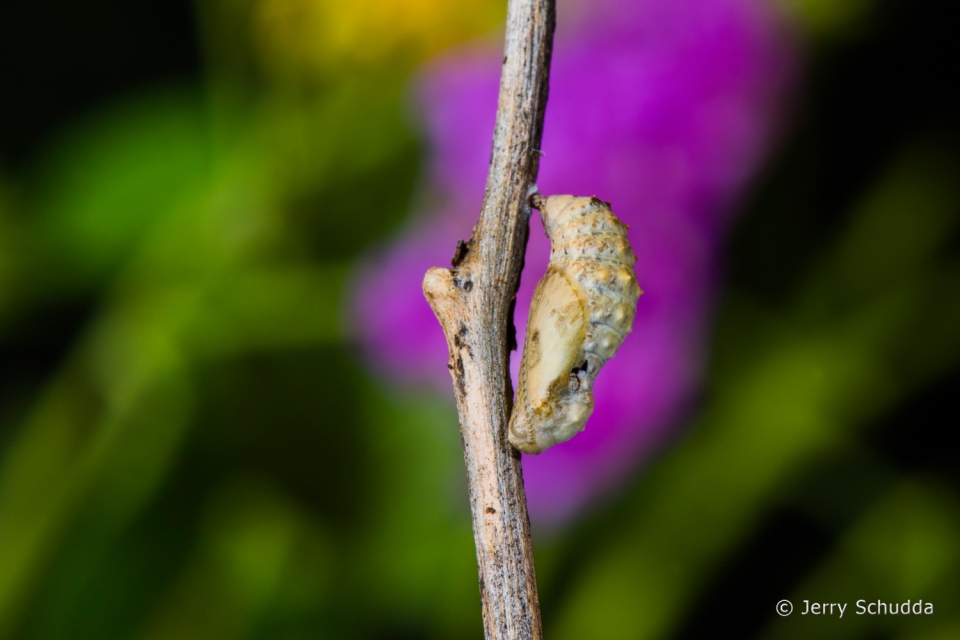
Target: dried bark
x,y
474,302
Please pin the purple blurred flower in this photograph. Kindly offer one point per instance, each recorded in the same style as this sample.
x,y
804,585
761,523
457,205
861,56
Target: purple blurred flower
x,y
664,108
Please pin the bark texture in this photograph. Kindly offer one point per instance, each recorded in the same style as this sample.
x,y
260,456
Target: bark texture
x,y
474,302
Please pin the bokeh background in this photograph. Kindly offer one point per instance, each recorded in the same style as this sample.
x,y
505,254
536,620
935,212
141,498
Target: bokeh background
x,y
222,411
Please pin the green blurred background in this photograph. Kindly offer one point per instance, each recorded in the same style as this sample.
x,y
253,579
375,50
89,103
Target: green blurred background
x,y
190,448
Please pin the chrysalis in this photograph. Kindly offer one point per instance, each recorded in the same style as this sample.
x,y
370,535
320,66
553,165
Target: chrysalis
x,y
581,311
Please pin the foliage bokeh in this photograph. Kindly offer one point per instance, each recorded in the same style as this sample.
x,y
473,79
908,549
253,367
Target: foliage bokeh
x,y
190,446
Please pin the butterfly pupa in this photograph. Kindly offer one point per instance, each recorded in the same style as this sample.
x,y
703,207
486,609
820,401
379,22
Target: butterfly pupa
x,y
582,309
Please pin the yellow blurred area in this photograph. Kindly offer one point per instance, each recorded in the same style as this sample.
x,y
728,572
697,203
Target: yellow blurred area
x,y
309,36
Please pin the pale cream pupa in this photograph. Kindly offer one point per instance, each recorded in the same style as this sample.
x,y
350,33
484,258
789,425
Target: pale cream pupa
x,y
582,309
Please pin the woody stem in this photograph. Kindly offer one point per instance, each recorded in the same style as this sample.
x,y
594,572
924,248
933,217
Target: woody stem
x,y
474,303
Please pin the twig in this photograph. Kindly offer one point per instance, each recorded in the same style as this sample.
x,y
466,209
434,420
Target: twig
x,y
474,303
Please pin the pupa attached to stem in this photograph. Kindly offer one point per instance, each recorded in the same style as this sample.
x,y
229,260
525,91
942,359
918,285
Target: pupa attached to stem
x,y
582,309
